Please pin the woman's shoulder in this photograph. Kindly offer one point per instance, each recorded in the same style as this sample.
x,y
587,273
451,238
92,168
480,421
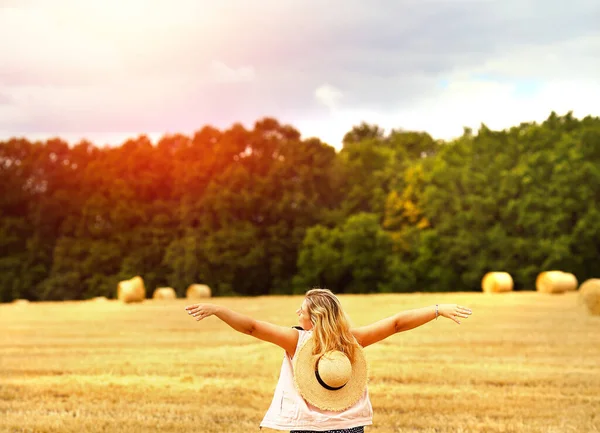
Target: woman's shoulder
x,y
304,334
301,330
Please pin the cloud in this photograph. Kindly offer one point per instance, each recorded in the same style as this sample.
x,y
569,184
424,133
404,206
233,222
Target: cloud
x,y
71,67
223,73
329,96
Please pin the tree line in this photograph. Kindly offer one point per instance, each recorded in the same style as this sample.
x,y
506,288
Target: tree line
x,y
264,211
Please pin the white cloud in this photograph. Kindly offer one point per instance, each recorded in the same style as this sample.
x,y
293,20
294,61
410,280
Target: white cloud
x,y
466,103
575,58
223,73
329,96
558,77
99,68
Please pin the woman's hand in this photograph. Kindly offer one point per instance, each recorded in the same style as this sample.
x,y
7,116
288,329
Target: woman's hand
x,y
454,312
201,311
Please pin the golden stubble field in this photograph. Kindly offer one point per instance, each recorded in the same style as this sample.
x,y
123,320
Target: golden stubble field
x,y
523,362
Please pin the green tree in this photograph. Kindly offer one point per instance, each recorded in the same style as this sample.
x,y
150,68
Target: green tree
x,y
508,200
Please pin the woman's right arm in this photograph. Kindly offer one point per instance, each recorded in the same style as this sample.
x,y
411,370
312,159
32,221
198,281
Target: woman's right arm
x,y
284,337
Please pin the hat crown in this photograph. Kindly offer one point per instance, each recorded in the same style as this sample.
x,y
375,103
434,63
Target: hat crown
x,y
334,369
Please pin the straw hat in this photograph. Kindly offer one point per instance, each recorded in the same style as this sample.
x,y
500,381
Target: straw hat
x,y
330,382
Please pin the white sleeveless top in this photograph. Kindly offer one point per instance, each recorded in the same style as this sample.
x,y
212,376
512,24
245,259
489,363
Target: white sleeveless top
x,y
289,411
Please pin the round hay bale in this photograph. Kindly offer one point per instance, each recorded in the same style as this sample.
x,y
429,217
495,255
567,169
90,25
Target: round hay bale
x,y
573,284
132,290
21,301
555,282
164,293
590,294
198,291
497,282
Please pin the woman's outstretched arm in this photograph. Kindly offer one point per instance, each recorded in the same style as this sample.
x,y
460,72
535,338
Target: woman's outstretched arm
x,y
284,337
406,320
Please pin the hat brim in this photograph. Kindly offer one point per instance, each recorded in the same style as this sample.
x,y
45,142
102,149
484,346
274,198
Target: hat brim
x,y
313,392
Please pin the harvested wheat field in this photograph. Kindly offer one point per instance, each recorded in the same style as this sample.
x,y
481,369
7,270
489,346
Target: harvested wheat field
x,y
523,362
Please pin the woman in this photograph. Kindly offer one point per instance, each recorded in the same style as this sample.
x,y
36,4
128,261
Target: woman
x,y
323,381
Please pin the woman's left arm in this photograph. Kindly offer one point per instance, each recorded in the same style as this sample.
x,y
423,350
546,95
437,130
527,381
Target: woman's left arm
x,y
406,320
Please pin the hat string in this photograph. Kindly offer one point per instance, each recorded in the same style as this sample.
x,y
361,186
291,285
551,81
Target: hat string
x,y
323,384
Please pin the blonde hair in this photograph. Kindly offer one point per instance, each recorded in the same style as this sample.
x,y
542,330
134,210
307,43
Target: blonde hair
x,y
331,326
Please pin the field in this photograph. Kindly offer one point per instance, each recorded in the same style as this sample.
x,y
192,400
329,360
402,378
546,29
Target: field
x,y
523,362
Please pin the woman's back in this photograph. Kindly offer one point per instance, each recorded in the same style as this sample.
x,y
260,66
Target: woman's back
x,y
289,410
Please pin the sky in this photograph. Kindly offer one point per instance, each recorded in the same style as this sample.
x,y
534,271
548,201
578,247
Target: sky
x,y
114,69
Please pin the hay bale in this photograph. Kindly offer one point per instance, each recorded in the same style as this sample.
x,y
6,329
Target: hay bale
x,y
99,299
573,283
21,301
198,291
497,282
164,293
555,282
132,290
590,294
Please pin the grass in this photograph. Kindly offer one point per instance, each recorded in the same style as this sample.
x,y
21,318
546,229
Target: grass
x,y
523,362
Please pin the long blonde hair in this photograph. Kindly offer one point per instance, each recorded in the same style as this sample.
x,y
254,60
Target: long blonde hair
x,y
331,326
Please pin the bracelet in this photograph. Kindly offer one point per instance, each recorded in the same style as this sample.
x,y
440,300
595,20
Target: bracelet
x,y
436,311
